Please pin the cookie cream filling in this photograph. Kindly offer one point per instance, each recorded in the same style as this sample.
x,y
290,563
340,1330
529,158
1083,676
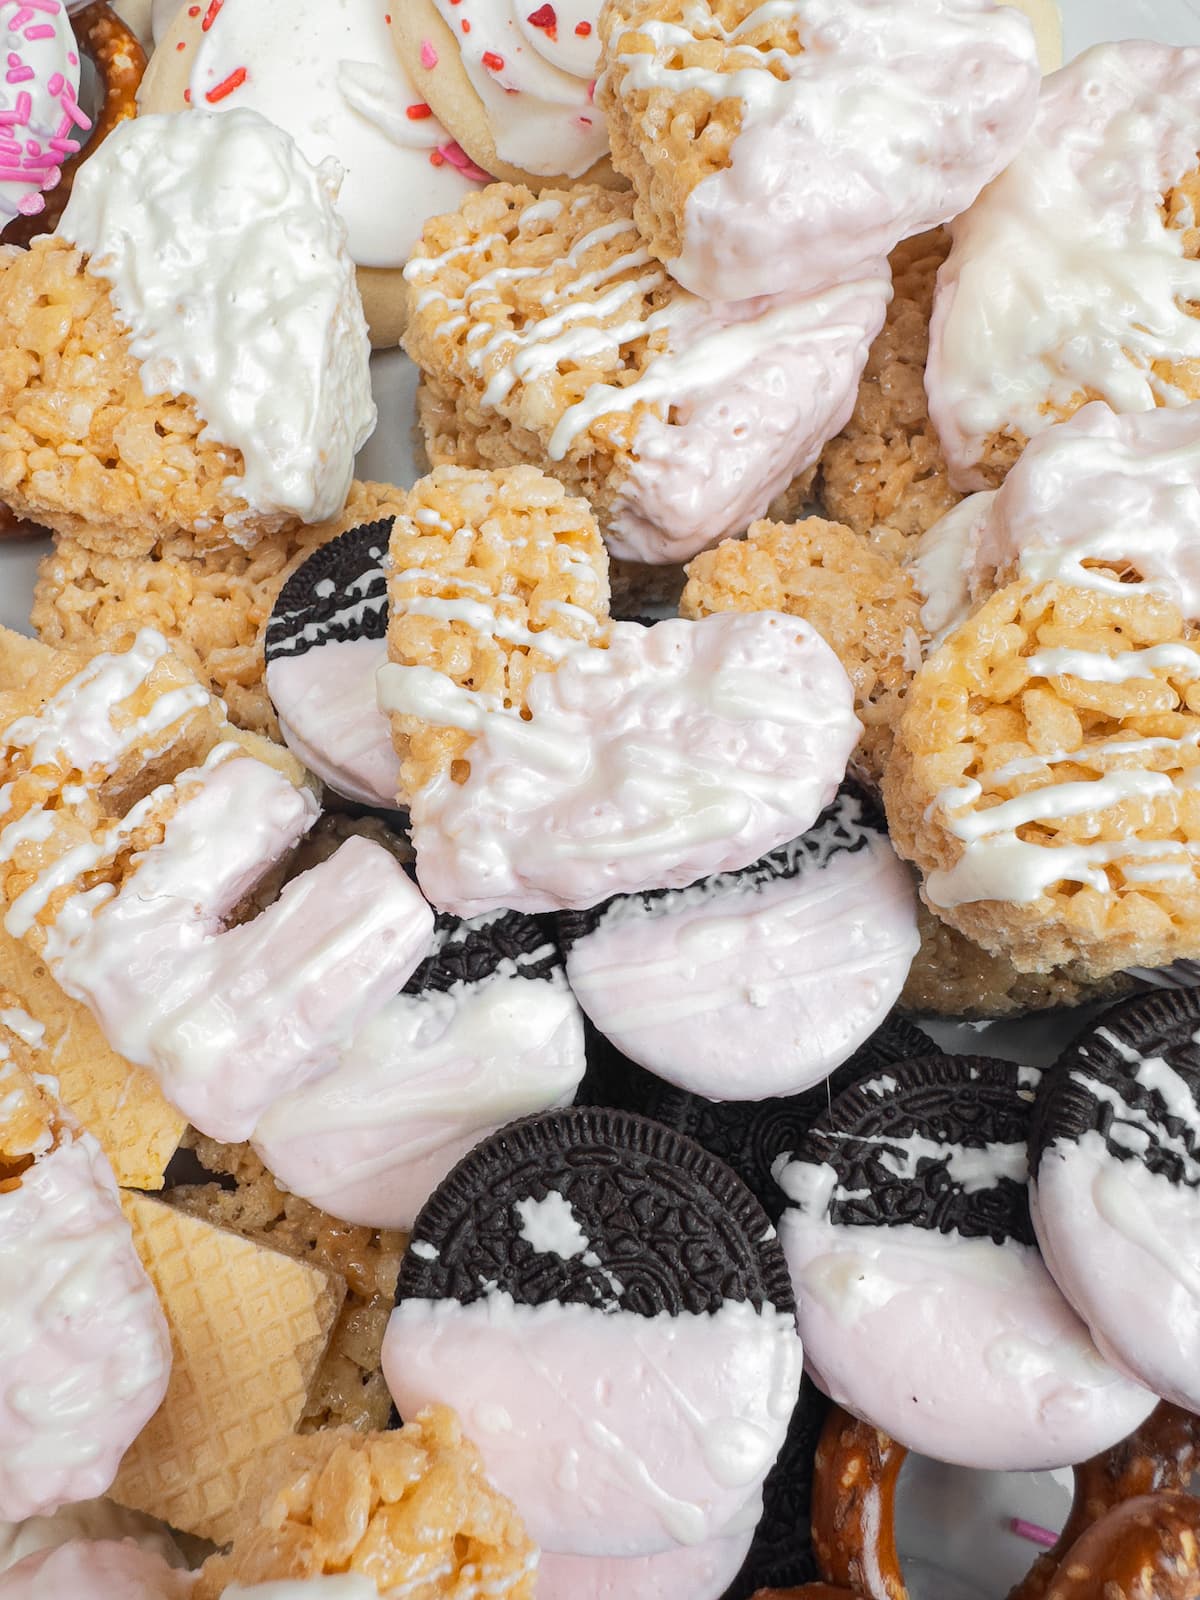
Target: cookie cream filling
x,y
336,83
681,750
84,1352
628,1435
998,1371
887,121
1067,281
228,265
534,78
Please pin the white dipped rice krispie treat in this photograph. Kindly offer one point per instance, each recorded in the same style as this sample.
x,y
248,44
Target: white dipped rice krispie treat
x,y
1074,276
553,758
84,1354
546,333
211,606
789,146
852,590
134,823
1043,778
188,354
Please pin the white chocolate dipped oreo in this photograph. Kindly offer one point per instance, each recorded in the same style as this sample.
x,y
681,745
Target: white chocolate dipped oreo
x,y
485,1031
325,641
616,1289
924,1305
326,72
1115,1191
758,983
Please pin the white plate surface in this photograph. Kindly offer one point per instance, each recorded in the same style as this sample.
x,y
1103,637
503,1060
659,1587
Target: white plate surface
x,y
954,1524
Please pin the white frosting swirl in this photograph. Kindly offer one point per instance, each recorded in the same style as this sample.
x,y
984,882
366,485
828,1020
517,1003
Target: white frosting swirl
x,y
228,264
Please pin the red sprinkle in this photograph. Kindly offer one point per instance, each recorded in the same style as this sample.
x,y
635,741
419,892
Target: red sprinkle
x,y
193,11
492,61
225,88
417,113
436,158
210,16
466,26
182,45
546,18
187,97
583,29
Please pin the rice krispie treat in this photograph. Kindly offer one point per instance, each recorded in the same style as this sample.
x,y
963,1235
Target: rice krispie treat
x,y
410,1510
211,605
953,977
851,589
493,576
134,825
893,116
886,465
1043,774
1074,276
546,333
348,1388
188,353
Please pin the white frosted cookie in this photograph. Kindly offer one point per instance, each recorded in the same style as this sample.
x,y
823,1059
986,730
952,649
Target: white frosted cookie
x,y
325,72
1074,275
513,82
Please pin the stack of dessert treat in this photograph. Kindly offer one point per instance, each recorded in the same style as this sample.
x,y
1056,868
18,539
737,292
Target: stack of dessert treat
x,y
463,1126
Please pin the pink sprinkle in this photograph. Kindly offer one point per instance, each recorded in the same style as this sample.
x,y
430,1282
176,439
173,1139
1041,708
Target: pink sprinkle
x,y
28,205
18,75
1033,1532
458,157
42,31
65,147
429,56
592,90
73,58
57,84
10,149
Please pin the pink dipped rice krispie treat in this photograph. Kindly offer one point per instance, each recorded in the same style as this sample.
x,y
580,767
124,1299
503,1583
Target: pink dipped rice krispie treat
x,y
546,333
787,147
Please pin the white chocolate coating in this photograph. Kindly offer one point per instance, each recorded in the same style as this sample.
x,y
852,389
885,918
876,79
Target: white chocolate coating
x,y
890,120
87,1519
426,1079
228,264
751,993
536,91
330,76
1064,281
84,1351
613,1434
699,1572
94,1569
229,1019
330,719
961,1349
41,122
683,749
332,1586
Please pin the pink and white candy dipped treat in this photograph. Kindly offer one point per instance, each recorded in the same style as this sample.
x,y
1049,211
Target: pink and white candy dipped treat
x,y
41,121
681,750
84,1350
228,1018
786,146
94,1569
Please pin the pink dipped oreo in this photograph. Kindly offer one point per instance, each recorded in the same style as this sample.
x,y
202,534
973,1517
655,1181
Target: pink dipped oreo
x,y
486,1030
325,641
1116,1187
682,750
757,983
923,1302
610,1310
42,124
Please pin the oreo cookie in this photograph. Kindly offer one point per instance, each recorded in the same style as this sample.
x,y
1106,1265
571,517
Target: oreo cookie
x,y
325,641
609,1309
1116,1186
485,1030
924,1304
754,984
748,1135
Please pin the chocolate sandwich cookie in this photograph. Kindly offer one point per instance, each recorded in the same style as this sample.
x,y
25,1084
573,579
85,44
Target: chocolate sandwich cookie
x,y
484,1031
1115,1155
748,1135
325,641
611,1311
924,1304
757,983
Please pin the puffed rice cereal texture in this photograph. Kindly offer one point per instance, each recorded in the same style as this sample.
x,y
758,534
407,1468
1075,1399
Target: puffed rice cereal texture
x,y
1044,780
410,1509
